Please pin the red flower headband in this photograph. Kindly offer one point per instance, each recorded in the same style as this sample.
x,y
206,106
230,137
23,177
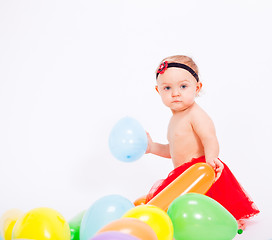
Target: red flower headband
x,y
166,65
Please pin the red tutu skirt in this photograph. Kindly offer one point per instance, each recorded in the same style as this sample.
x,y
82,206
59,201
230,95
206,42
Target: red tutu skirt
x,y
226,190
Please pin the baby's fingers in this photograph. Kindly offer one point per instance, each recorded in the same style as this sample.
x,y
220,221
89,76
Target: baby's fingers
x,y
149,139
219,169
219,165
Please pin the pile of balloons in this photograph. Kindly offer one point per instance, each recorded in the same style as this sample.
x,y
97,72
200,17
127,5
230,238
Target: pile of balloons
x,y
180,211
182,214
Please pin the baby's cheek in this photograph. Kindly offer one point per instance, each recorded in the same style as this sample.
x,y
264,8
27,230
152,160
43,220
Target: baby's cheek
x,y
165,99
192,98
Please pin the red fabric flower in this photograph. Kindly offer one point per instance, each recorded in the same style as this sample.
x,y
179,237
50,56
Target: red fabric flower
x,y
162,67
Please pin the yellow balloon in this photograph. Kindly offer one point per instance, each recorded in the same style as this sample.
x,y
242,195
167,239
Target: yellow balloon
x,y
7,222
156,218
41,224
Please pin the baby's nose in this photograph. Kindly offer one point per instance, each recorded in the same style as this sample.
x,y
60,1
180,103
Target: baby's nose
x,y
175,92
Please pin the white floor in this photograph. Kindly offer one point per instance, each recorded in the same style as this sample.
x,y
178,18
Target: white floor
x,y
258,228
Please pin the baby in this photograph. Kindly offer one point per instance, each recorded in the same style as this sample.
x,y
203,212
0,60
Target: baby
x,y
192,137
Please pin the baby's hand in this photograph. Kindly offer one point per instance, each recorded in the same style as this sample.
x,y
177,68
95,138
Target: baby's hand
x,y
150,142
217,165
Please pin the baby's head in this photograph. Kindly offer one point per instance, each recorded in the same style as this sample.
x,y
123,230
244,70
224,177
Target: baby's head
x,y
178,82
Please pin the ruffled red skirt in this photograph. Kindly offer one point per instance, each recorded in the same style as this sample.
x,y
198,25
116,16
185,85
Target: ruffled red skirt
x,y
226,190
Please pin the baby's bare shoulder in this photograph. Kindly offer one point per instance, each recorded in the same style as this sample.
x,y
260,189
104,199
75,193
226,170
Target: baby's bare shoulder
x,y
198,113
201,120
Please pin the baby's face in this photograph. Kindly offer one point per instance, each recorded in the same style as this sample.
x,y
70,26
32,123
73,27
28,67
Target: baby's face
x,y
177,88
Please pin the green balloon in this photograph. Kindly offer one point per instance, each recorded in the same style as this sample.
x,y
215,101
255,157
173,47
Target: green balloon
x,y
74,225
196,216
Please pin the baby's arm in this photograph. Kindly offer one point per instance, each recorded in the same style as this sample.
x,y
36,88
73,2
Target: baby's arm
x,y
204,128
161,150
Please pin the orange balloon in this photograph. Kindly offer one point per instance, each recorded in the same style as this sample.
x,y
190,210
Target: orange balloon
x,y
197,179
131,226
139,201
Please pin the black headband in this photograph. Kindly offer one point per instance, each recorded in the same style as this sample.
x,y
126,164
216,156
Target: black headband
x,y
166,65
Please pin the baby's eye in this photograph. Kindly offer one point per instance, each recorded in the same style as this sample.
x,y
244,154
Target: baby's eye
x,y
183,86
167,88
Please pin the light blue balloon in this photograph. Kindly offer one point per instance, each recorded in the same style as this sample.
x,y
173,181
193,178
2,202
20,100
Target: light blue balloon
x,y
128,140
102,212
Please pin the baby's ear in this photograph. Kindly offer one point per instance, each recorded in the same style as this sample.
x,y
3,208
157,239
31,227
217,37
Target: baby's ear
x,y
198,87
157,89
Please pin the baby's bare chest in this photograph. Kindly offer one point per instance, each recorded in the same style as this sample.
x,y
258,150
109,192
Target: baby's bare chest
x,y
179,129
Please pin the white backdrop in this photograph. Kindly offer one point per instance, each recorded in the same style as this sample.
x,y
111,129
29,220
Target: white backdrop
x,y
69,70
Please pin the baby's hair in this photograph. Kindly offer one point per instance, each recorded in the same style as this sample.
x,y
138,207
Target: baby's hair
x,y
180,59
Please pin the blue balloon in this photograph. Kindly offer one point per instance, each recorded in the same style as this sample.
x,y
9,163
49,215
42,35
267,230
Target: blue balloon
x,y
111,235
102,212
128,140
